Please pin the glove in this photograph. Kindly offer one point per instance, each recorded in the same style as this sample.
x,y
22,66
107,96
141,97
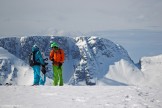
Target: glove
x,y
46,64
60,64
43,69
45,59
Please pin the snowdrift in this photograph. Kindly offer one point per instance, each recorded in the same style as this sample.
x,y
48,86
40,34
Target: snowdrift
x,y
152,70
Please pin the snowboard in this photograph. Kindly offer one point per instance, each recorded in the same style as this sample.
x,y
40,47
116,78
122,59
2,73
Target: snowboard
x,y
44,68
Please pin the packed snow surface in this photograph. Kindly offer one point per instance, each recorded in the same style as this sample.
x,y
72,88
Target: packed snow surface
x,y
80,97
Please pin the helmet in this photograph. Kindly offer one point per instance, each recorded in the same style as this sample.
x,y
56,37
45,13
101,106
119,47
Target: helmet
x,y
54,44
35,48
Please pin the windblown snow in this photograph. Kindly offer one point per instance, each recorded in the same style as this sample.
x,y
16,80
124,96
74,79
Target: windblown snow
x,y
89,61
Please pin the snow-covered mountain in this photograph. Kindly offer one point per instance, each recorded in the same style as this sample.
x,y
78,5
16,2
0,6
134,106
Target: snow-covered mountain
x,y
89,60
13,70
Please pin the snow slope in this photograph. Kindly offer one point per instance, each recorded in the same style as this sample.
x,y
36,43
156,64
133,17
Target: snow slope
x,y
80,97
13,70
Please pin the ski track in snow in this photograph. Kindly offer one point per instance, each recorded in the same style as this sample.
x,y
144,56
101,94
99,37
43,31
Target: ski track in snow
x,y
80,97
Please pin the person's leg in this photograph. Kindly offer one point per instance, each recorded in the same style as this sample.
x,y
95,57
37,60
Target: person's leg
x,y
42,79
60,76
55,75
36,75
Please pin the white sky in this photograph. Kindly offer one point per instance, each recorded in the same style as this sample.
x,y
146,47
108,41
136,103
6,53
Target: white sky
x,y
32,17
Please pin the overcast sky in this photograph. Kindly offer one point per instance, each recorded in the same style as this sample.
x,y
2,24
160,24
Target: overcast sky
x,y
32,17
57,17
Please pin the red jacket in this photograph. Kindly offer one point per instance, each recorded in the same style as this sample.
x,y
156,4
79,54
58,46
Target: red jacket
x,y
57,56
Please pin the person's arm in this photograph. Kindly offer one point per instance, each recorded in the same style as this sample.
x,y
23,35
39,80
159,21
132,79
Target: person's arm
x,y
62,56
51,55
40,58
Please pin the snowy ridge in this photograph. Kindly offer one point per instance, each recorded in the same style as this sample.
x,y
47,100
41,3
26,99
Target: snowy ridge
x,y
89,61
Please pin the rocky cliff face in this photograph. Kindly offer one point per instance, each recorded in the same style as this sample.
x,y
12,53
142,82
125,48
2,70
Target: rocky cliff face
x,y
87,58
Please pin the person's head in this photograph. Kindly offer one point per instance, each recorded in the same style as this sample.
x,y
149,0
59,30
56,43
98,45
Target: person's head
x,y
35,48
54,45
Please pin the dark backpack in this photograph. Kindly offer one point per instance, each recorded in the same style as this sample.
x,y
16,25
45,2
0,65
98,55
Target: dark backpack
x,y
32,61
